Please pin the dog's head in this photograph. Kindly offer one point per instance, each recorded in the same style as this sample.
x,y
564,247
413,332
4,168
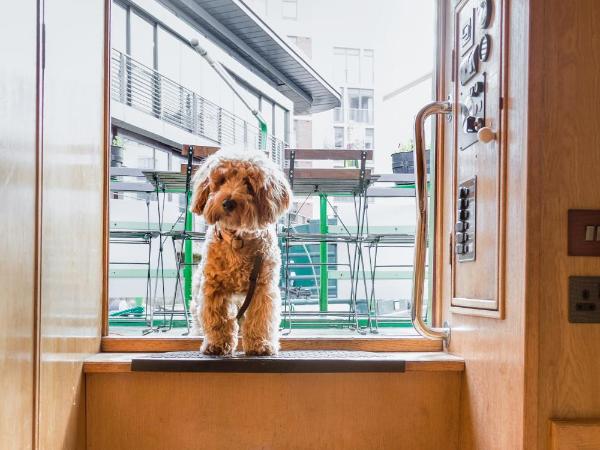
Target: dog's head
x,y
242,191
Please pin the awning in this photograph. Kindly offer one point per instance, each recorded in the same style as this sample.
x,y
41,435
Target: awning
x,y
234,26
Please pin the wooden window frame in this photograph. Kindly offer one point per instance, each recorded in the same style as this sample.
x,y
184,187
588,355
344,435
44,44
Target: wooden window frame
x,y
401,343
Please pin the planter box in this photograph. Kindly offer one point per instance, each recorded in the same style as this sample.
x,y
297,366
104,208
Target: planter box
x,y
403,162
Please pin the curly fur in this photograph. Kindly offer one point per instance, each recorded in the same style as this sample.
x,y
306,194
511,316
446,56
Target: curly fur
x,y
260,195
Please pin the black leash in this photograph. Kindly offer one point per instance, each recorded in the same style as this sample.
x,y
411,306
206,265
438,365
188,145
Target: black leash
x,y
252,286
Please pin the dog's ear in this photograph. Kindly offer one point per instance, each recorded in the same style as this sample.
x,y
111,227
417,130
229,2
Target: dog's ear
x,y
201,190
273,194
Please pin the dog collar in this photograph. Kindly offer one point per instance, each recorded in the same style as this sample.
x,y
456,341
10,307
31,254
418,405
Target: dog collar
x,y
231,237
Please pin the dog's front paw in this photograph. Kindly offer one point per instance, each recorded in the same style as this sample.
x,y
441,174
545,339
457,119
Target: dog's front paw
x,y
217,349
261,348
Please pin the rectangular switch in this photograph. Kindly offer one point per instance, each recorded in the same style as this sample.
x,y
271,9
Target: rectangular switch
x,y
584,232
590,232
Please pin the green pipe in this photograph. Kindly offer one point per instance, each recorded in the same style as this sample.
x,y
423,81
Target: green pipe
x,y
323,259
188,257
263,133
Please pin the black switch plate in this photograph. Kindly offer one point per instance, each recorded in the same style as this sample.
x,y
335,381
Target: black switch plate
x,y
584,299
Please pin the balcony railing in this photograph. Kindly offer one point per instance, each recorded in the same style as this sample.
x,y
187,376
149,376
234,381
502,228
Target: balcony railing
x,y
144,89
360,115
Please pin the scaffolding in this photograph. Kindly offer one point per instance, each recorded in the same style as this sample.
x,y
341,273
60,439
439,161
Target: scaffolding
x,y
361,247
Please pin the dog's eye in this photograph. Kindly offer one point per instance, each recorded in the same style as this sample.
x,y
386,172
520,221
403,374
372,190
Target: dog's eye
x,y
249,187
219,181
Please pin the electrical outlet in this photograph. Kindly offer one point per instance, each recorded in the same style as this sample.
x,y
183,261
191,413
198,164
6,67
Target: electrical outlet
x,y
584,299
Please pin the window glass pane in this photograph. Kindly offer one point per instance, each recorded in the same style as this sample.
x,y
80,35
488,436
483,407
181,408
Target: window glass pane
x,y
352,66
142,40
289,9
369,138
279,131
338,137
366,67
169,55
118,28
161,159
366,99
354,98
137,155
339,65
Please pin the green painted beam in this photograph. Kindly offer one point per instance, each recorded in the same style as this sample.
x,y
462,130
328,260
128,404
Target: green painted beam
x,y
188,255
406,229
139,273
142,225
379,275
323,257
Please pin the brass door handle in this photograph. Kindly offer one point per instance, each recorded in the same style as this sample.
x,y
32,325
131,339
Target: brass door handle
x,y
423,328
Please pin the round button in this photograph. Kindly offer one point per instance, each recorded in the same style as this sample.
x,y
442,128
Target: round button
x,y
484,48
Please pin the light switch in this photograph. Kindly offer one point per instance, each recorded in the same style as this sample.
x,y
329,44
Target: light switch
x,y
584,232
590,232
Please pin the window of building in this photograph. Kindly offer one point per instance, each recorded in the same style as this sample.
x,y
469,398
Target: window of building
x,y
338,137
360,103
118,26
142,40
279,123
346,65
367,68
350,67
369,138
289,9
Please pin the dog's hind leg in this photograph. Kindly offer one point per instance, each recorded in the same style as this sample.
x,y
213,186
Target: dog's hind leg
x,y
218,323
260,329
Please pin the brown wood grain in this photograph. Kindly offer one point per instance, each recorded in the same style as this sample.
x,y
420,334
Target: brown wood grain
x,y
328,174
575,434
200,151
328,154
487,163
279,411
392,344
564,138
73,228
18,191
415,362
492,411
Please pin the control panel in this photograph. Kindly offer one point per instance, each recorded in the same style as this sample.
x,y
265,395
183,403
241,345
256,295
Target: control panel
x,y
477,77
465,228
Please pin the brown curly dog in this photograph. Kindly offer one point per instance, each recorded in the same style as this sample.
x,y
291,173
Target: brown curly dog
x,y
241,196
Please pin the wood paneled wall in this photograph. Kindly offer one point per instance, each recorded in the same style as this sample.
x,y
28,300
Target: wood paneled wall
x,y
491,415
18,156
157,411
51,184
72,212
564,167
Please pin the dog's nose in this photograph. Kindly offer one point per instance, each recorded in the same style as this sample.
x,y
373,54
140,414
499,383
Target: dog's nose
x,y
229,205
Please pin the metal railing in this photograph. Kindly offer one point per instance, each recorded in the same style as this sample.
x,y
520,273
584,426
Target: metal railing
x,y
143,88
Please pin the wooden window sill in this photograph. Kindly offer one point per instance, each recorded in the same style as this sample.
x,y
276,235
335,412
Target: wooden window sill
x,y
106,363
410,343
